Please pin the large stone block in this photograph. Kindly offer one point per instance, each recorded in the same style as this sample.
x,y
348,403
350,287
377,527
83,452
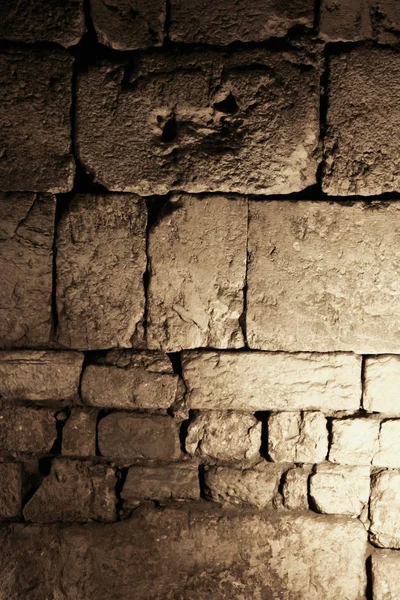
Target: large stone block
x,y
10,490
388,454
363,124
385,509
204,21
26,262
354,441
340,490
198,270
385,575
272,381
101,260
202,122
36,130
382,384
26,430
297,437
321,276
166,482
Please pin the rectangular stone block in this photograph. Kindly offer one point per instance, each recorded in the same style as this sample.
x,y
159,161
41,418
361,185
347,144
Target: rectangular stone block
x,y
295,488
322,277
26,263
35,123
361,149
79,433
385,509
202,122
300,437
382,384
10,490
385,575
388,453
40,375
26,430
340,490
354,441
167,482
197,255
253,381
101,260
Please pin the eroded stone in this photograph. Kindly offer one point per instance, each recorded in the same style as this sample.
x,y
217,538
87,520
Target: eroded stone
x,y
385,509
10,490
79,433
354,441
382,384
385,575
340,490
388,454
166,482
297,437
295,488
26,430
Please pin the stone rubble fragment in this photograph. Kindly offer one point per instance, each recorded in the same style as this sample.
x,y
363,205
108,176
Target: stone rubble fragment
x,y
385,508
385,575
79,433
297,437
26,430
295,488
10,490
340,490
166,482
354,441
382,384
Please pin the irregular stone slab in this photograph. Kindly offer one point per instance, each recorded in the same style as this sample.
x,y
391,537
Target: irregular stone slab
x,y
203,122
320,250
388,454
101,259
200,240
74,491
385,575
218,23
263,381
385,509
230,437
297,437
36,21
36,132
340,490
361,137
79,433
26,262
125,435
40,375
10,490
26,430
295,488
204,553
127,24
166,482
354,441
381,391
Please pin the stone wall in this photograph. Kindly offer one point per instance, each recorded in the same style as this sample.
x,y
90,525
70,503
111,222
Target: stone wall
x,y
200,300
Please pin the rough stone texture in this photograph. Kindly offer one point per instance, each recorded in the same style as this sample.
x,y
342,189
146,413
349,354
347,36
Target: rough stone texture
x,y
341,262
204,21
385,575
354,441
26,430
125,435
295,488
353,20
204,553
79,433
229,437
167,482
101,260
202,241
388,454
38,21
363,123
340,490
74,491
254,487
39,375
10,490
297,437
263,381
381,391
26,261
202,122
129,24
385,509
35,123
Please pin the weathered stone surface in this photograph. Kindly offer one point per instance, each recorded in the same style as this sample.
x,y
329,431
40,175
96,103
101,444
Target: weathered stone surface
x,y
125,435
361,146
26,430
203,552
177,481
229,437
74,491
129,24
26,261
353,20
202,122
10,490
79,433
101,259
35,123
354,441
340,490
264,381
297,437
321,276
204,21
144,380
382,384
295,488
39,375
198,271
385,575
255,487
385,509
388,454
37,21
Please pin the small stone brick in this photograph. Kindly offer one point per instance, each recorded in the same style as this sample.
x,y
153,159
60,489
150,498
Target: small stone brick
x,y
382,385
385,509
340,490
79,433
385,575
297,437
129,24
354,441
202,240
177,482
74,491
26,430
101,259
10,490
26,262
36,131
295,488
125,435
388,454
